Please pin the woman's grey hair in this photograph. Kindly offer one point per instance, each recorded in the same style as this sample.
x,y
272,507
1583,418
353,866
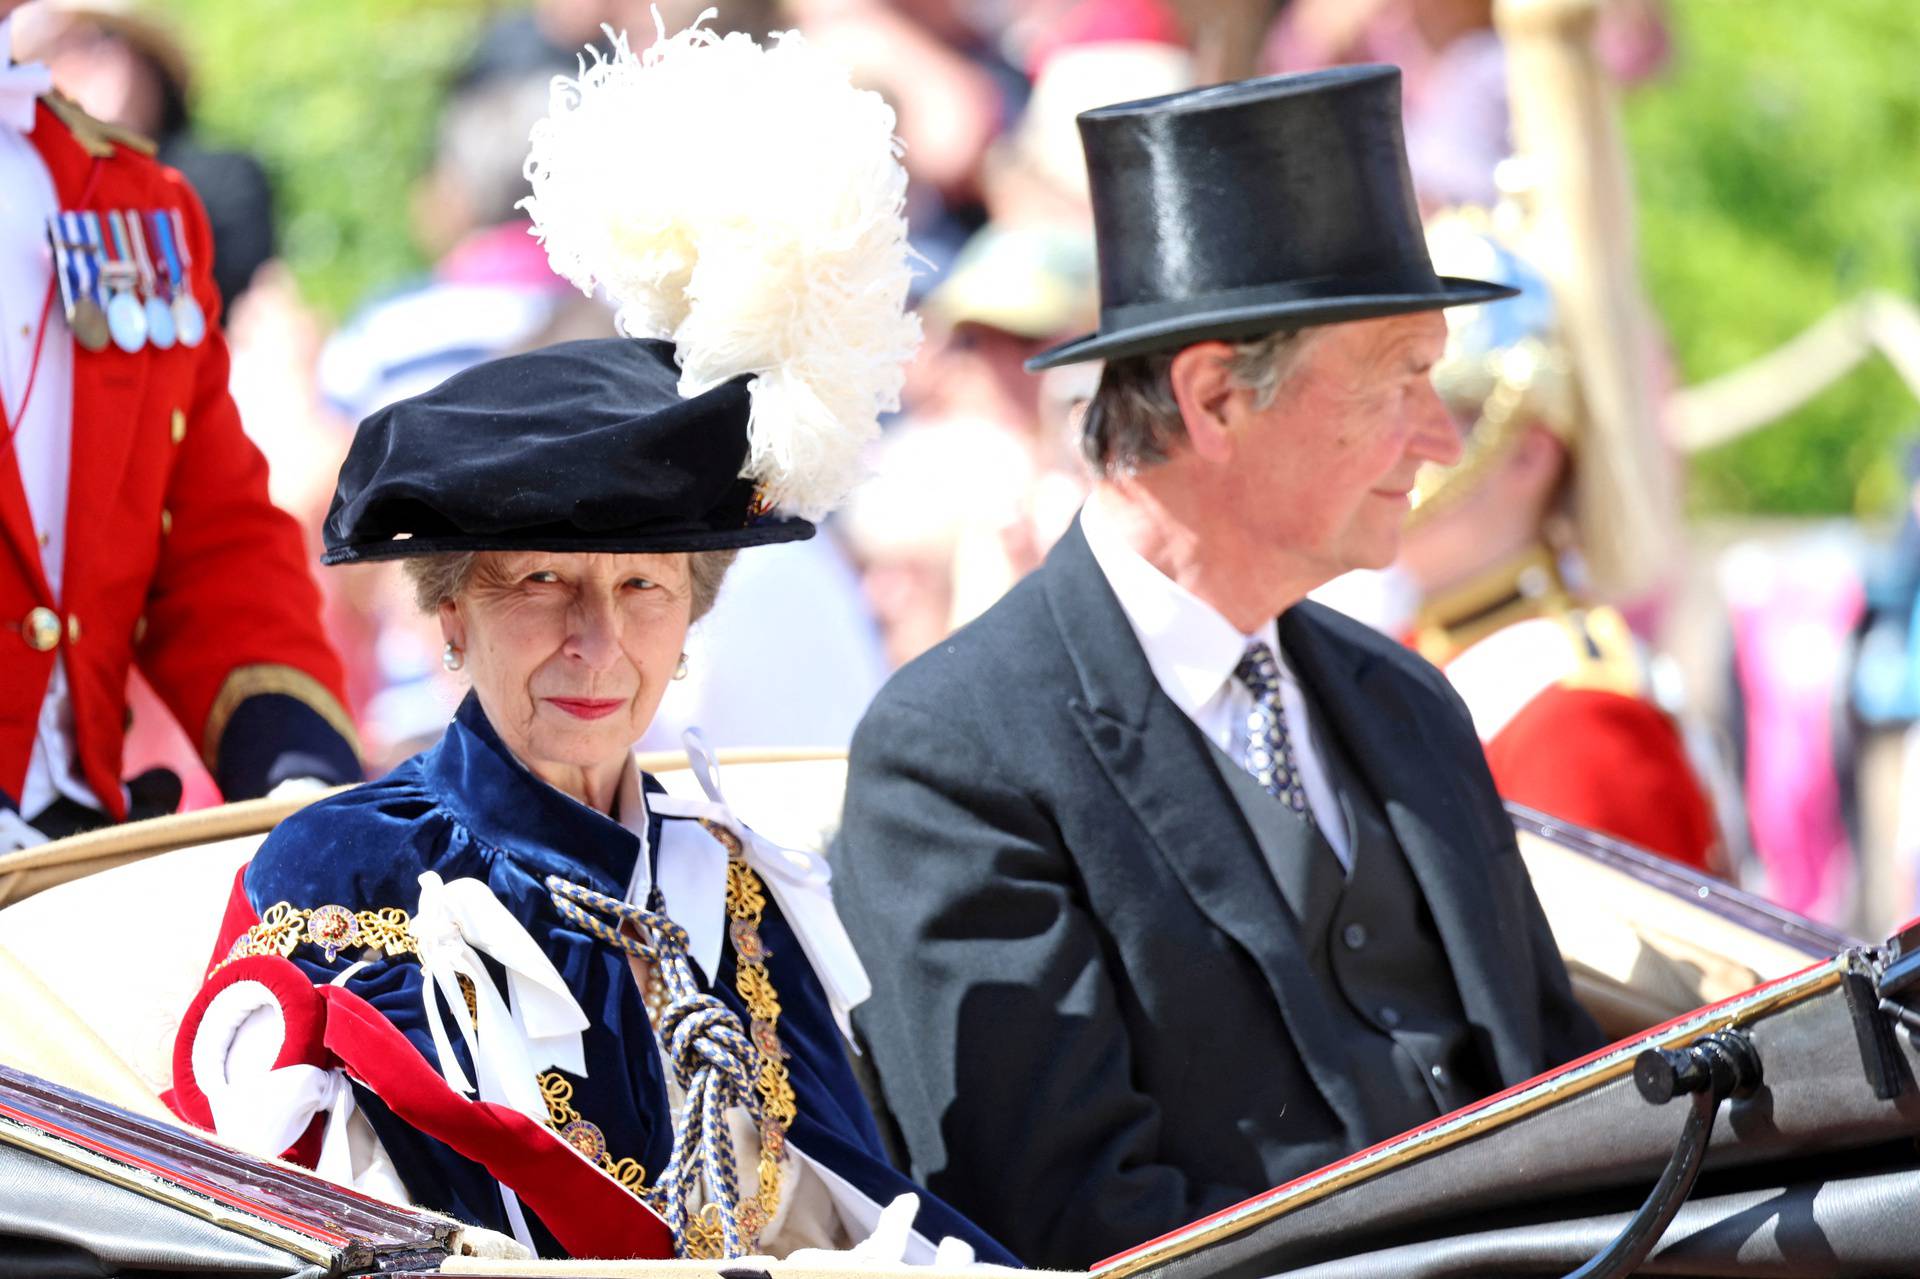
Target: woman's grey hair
x,y
437,579
1133,420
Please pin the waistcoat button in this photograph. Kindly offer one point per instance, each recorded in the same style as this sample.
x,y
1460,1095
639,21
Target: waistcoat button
x,y
1389,1016
1355,935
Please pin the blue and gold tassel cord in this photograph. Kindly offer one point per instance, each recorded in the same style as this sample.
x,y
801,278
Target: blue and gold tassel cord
x,y
713,1060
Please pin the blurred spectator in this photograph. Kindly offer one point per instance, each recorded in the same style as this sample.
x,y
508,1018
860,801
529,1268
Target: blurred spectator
x,y
489,291
1012,292
1454,75
932,486
1037,172
121,62
804,680
1886,707
951,87
548,37
1886,677
1453,88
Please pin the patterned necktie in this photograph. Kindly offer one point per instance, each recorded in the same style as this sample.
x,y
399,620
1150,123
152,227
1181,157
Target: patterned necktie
x,y
1269,753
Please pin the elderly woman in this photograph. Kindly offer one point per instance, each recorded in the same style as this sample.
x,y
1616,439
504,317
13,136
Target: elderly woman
x,y
514,980
519,914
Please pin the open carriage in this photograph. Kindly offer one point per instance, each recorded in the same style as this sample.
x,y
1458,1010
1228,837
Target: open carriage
x,y
1794,1038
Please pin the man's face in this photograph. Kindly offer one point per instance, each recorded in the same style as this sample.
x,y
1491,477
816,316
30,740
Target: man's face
x,y
1322,474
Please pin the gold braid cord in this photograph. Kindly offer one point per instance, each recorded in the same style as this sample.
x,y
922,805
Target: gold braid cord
x,y
746,904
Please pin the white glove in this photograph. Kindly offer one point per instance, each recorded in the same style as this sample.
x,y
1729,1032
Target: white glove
x,y
295,787
887,1245
15,834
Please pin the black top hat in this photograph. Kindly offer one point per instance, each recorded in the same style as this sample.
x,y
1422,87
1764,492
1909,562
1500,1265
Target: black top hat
x,y
1241,209
584,446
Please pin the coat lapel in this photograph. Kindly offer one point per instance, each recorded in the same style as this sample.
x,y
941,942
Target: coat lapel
x,y
1386,736
1159,762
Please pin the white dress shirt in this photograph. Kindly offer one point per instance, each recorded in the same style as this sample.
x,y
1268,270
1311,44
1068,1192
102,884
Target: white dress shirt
x,y
42,435
1193,651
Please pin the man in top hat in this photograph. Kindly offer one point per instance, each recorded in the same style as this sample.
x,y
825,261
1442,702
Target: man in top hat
x,y
134,520
1173,884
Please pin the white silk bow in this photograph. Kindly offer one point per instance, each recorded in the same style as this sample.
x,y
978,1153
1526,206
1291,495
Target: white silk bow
x,y
455,922
798,879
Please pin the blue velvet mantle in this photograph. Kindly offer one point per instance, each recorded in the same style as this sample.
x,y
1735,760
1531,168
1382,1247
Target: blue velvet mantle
x,y
466,808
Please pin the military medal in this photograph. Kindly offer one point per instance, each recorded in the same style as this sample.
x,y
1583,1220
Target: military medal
x,y
86,317
160,329
126,318
190,321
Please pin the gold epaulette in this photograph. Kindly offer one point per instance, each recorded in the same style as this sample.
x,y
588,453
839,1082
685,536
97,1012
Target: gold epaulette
x,y
96,137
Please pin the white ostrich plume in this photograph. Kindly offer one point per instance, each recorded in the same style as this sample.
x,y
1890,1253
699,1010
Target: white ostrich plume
x,y
744,203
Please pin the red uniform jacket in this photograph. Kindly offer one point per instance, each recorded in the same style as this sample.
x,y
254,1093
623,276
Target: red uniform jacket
x,y
1569,730
175,558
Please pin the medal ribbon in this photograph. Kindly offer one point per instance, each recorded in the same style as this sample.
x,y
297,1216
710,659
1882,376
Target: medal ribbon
x,y
149,278
163,236
115,262
186,254
81,255
123,248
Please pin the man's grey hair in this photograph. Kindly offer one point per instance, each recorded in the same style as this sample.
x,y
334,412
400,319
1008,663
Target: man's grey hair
x,y
439,579
1133,420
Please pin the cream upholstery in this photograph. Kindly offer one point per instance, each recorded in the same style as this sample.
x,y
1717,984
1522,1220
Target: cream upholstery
x,y
1640,955
124,950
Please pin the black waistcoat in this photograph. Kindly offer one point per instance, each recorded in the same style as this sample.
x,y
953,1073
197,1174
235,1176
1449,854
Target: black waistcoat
x,y
1371,944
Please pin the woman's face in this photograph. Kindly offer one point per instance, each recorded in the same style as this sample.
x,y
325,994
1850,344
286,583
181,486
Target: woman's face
x,y
569,653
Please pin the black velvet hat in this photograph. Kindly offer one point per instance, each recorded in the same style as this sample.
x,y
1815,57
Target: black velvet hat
x,y
584,446
1240,209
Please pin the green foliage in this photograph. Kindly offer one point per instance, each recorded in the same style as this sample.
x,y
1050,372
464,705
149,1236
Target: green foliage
x,y
1778,167
338,100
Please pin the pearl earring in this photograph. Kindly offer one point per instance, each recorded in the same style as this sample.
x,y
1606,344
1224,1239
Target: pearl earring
x,y
680,671
452,658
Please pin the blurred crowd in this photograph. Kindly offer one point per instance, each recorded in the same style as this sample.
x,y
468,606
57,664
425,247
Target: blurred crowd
x,y
980,471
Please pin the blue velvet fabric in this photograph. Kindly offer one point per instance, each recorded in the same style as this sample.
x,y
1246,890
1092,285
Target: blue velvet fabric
x,y
466,808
